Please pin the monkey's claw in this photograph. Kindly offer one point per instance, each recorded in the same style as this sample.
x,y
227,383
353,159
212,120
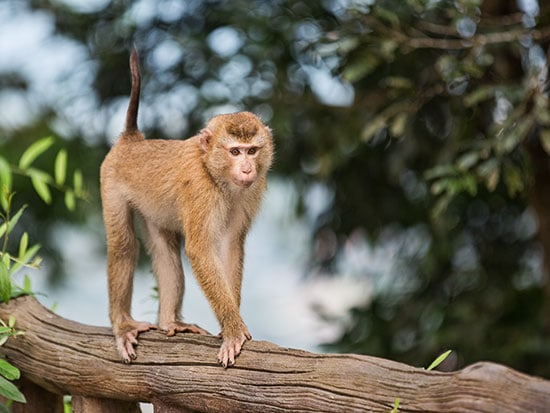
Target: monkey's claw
x,y
126,339
231,348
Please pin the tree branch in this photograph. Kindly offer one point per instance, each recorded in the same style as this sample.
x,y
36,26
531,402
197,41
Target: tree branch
x,y
66,357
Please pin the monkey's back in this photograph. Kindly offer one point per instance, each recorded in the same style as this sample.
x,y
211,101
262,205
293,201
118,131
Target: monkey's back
x,y
150,172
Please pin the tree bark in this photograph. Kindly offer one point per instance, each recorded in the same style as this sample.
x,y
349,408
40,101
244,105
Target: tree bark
x,y
38,399
181,373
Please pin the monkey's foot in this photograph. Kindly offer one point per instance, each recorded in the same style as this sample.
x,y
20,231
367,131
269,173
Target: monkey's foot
x,y
181,327
126,338
231,348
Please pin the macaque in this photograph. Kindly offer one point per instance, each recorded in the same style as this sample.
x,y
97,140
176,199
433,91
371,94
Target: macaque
x,y
207,188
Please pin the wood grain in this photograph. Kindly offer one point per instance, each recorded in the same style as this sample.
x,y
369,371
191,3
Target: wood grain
x,y
66,357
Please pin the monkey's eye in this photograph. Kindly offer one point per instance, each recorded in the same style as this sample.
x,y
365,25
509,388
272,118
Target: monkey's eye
x,y
252,151
234,152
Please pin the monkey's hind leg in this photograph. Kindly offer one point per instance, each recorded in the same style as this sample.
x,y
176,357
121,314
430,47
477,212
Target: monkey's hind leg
x,y
122,250
165,249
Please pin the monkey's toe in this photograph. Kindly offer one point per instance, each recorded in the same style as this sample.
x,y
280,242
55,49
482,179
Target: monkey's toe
x,y
126,338
180,327
230,349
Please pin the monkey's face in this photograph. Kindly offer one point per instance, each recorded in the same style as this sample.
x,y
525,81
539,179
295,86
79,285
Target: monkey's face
x,y
243,161
237,148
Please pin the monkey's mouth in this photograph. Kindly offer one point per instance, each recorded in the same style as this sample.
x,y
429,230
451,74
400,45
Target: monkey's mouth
x,y
243,183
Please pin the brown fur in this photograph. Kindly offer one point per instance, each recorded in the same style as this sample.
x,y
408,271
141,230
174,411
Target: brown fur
x,y
209,188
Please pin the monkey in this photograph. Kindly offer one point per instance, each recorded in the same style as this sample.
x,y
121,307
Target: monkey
x,y
204,191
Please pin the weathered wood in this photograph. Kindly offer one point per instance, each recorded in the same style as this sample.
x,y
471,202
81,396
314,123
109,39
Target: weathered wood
x,y
38,399
66,357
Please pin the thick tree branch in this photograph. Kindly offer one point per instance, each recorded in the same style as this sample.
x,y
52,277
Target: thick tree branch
x,y
66,357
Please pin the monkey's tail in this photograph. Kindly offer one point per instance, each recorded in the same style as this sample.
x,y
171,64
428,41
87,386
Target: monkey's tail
x,y
133,106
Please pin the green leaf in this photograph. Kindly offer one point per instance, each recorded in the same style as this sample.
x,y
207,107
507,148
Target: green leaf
x,y
77,182
469,184
5,283
5,174
399,122
359,69
34,151
480,94
39,181
439,171
442,185
23,244
9,371
439,360
373,127
6,259
514,181
389,16
467,160
60,167
9,391
8,226
4,198
489,171
25,258
70,202
27,284
398,82
396,404
11,321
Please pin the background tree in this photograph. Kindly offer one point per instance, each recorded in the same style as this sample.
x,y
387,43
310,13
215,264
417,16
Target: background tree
x,y
424,123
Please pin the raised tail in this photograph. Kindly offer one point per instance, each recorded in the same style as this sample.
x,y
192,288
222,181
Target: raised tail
x,y
131,131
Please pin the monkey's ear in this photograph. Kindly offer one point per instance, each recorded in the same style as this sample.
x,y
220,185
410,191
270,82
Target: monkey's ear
x,y
206,139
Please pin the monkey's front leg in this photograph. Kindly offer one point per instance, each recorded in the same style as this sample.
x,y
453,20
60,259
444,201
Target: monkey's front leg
x,y
209,272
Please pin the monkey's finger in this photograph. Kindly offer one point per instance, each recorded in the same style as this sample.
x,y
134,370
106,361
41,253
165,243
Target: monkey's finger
x,y
143,327
128,353
231,358
223,358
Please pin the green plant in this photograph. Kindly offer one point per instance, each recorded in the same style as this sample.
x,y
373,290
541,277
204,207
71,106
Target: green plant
x,y
8,372
67,404
396,404
440,359
41,180
25,255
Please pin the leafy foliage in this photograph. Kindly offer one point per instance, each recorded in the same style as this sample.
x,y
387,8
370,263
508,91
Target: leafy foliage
x,y
8,372
11,263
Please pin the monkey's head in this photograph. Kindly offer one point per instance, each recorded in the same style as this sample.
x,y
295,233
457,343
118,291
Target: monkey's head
x,y
237,147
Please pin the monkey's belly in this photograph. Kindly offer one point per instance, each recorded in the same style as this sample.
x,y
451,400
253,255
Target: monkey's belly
x,y
162,218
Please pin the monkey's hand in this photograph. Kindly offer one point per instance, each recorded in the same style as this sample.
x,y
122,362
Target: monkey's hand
x,y
126,338
231,346
180,327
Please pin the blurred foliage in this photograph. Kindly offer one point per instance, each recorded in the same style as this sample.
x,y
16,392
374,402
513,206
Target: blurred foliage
x,y
426,123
